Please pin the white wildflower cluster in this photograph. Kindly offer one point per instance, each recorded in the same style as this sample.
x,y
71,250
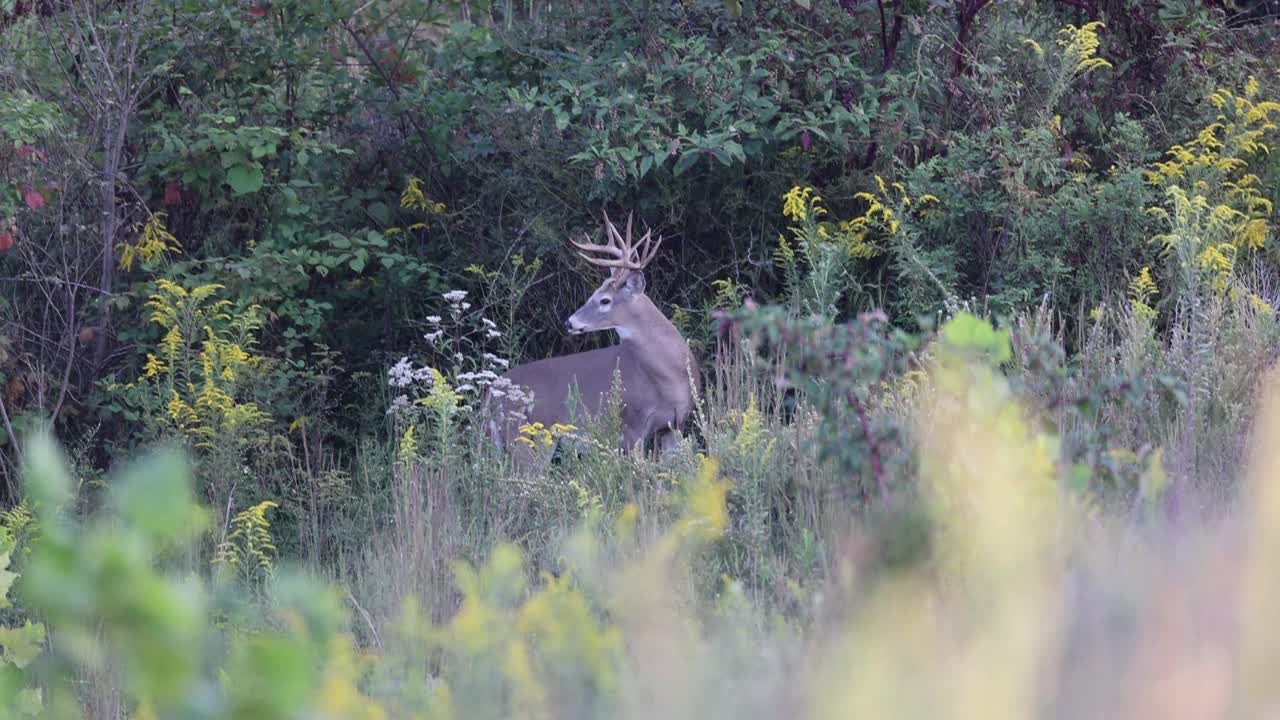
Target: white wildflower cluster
x,y
515,400
408,378
482,378
399,404
459,348
437,332
413,380
403,374
457,302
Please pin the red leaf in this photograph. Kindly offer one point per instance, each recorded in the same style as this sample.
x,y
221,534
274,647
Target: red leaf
x,y
24,151
804,141
6,241
172,193
259,10
34,199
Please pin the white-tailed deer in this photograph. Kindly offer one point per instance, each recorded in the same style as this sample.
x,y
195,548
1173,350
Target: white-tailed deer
x,y
653,362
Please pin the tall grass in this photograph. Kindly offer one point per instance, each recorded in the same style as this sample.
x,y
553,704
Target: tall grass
x,y
737,578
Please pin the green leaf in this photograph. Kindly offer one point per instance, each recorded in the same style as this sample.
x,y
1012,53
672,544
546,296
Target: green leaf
x,y
646,164
968,332
233,158
48,483
21,645
686,161
155,495
1081,477
245,179
733,7
378,211
6,580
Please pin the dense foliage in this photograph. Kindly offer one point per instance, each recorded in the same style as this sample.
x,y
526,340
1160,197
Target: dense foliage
x,y
297,239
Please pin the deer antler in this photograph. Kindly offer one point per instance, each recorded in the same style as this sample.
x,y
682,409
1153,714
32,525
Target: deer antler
x,y
622,253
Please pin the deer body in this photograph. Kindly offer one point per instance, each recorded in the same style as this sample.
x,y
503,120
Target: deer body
x,y
652,361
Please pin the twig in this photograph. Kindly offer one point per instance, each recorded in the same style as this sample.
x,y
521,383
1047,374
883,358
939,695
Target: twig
x,y
8,427
367,620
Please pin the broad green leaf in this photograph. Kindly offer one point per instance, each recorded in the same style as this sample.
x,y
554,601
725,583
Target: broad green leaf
x,y
968,332
686,161
155,495
735,150
48,483
245,179
233,158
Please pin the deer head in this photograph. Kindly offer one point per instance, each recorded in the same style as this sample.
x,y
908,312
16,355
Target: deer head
x,y
619,303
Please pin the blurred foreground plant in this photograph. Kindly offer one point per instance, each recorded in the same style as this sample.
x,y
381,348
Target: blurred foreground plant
x,y
119,606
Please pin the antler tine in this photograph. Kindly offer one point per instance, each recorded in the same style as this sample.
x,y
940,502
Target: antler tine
x,y
639,254
612,248
591,247
648,250
625,254
616,248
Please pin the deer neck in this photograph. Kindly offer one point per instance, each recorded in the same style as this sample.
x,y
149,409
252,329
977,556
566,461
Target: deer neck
x,y
655,344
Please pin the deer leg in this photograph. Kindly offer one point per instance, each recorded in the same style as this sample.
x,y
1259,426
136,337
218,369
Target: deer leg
x,y
632,440
667,441
531,459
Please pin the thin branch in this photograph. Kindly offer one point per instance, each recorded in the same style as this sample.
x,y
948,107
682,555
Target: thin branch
x,y
8,427
71,358
377,640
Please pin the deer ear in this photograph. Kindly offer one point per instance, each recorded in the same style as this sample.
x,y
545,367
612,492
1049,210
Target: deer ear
x,y
635,281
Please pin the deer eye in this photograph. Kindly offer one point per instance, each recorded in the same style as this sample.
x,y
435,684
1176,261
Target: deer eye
x,y
605,301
